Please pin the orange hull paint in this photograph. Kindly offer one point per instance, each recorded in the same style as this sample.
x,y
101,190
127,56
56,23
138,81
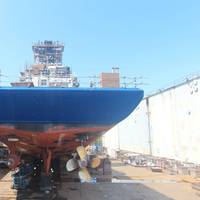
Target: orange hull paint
x,y
59,139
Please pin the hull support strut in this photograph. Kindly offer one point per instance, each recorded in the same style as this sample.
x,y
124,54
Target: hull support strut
x,y
45,184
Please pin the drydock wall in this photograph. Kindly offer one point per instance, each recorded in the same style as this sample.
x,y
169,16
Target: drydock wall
x,y
130,134
167,124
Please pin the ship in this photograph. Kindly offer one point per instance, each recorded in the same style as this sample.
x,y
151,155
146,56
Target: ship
x,y
47,115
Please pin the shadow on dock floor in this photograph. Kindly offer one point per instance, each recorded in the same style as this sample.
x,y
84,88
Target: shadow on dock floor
x,y
99,191
3,172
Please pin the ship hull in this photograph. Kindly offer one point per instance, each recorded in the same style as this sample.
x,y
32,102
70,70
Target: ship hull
x,y
33,120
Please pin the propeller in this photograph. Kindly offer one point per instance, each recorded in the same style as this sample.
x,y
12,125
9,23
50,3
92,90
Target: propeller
x,y
83,163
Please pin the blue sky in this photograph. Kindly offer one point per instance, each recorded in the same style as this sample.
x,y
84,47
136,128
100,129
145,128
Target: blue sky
x,y
156,39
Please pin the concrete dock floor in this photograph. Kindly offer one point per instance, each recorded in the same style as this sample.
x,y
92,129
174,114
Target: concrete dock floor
x,y
129,183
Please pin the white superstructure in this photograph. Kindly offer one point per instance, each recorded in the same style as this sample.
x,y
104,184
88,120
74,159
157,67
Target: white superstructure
x,y
48,69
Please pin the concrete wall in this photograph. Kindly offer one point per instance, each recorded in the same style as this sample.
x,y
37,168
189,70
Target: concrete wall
x,y
173,130
131,134
175,122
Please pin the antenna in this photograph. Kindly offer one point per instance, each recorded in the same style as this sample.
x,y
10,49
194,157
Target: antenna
x,y
133,81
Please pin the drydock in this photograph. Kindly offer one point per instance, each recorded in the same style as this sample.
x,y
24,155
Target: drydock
x,y
48,123
54,147
129,183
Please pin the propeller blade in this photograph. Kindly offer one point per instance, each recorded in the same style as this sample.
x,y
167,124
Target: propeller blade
x,y
71,165
81,152
84,175
95,162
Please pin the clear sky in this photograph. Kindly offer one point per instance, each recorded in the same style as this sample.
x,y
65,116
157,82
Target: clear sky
x,y
157,39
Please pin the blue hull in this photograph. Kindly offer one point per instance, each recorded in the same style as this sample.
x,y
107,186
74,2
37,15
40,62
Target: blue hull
x,y
57,120
69,106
